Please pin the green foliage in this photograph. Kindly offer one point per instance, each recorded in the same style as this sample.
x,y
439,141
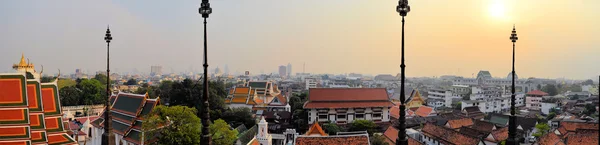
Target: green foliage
x,y
378,140
85,92
299,115
574,97
587,82
65,83
331,128
363,125
131,82
550,116
589,109
542,129
457,106
47,79
238,116
575,88
222,133
173,125
550,89
28,75
102,79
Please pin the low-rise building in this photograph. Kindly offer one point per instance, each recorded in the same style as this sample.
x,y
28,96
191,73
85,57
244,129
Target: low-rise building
x,y
433,135
344,105
533,99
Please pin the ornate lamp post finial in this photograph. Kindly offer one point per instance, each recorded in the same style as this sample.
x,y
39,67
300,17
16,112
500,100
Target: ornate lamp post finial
x,y
108,138
205,10
403,8
512,127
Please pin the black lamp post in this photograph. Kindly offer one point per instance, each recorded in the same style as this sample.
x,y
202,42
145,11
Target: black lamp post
x,y
107,137
205,10
403,8
512,126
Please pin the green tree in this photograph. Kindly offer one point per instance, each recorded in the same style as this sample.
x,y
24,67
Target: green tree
x,y
588,82
173,125
542,129
46,79
457,106
574,97
363,125
550,89
299,115
331,128
222,133
550,116
539,86
377,139
131,82
575,88
239,116
102,79
65,83
589,109
70,96
93,92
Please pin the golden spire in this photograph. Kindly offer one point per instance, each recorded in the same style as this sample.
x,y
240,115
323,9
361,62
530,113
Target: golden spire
x,y
23,62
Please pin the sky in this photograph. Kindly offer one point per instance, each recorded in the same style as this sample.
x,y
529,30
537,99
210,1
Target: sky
x,y
557,38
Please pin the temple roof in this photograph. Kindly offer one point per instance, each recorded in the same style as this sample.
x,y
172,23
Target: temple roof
x,y
30,111
127,114
316,129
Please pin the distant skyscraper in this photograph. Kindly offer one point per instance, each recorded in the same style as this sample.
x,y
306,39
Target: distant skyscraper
x,y
155,70
282,71
289,69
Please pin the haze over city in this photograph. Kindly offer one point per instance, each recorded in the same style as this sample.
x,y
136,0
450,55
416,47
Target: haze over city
x,y
557,38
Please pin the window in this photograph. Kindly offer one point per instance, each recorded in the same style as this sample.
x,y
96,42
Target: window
x,y
341,116
360,116
90,132
322,116
377,115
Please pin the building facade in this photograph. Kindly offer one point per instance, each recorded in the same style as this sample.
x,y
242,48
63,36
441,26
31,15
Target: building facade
x,y
533,99
344,105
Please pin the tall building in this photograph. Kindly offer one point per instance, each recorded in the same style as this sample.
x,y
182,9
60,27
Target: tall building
x,y
289,70
155,70
282,71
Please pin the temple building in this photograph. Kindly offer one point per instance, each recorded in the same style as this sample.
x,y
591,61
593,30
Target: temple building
x,y
127,111
344,105
30,111
415,100
260,96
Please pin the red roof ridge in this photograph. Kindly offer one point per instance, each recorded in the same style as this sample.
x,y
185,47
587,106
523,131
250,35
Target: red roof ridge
x,y
316,129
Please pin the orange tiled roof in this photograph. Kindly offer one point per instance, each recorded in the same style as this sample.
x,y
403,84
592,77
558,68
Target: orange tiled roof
x,y
347,104
448,136
336,140
457,123
500,134
550,139
537,93
583,139
395,112
424,111
239,100
348,94
242,90
573,126
315,129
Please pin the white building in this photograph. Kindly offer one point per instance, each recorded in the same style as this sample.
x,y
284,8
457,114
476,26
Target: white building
x,y
344,105
310,83
443,97
533,99
491,99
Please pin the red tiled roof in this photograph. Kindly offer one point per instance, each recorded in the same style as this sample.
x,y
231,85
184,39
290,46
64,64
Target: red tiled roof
x,y
537,93
315,129
448,136
582,139
333,140
457,123
573,126
424,111
483,126
348,94
395,112
391,135
550,139
346,104
500,134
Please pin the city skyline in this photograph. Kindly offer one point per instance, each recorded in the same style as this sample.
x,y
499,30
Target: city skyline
x,y
443,38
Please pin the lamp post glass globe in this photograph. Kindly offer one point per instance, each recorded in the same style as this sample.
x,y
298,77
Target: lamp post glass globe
x,y
403,8
205,9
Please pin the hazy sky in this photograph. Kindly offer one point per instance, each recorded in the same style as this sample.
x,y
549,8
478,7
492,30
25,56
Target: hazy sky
x,y
557,38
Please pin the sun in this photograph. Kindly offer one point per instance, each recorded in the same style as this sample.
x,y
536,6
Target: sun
x,y
497,9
